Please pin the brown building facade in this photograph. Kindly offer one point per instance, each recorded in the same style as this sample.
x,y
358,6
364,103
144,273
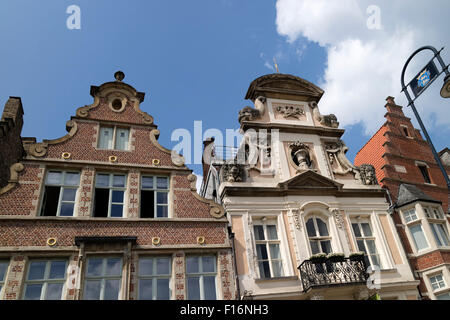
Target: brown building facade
x,y
405,166
105,212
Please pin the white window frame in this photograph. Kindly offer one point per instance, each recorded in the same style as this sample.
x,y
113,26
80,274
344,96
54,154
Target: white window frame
x,y
3,280
155,276
435,231
202,274
318,238
114,137
111,188
103,277
62,187
155,194
415,220
364,238
45,281
439,282
264,223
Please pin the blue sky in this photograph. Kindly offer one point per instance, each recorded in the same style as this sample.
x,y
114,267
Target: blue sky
x,y
193,59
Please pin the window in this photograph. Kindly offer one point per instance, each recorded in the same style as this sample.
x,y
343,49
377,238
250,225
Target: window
x,y
405,131
113,138
436,213
60,193
201,277
154,197
45,280
415,229
319,238
3,270
154,278
103,278
440,234
437,282
444,296
424,171
410,215
268,250
366,243
109,195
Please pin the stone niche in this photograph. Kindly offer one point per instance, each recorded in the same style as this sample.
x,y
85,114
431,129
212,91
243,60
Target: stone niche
x,y
301,157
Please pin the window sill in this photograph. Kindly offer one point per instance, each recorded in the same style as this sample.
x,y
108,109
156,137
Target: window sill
x,y
290,278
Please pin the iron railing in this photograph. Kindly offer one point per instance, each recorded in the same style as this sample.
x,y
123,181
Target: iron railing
x,y
347,271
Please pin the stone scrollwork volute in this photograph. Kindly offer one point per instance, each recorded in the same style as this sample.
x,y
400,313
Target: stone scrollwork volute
x,y
249,114
367,174
329,120
300,154
338,219
215,210
38,149
338,161
297,214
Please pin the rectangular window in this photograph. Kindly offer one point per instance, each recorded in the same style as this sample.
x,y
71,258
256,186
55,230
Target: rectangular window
x,y
365,241
3,270
424,171
45,280
201,272
419,237
103,278
440,234
59,193
268,250
444,296
437,282
154,197
154,278
113,138
410,215
109,195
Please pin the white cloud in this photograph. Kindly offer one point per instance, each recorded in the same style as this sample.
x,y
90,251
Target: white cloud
x,y
364,65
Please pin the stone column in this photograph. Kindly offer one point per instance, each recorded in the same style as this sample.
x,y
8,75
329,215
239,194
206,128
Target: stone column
x,y
180,275
86,192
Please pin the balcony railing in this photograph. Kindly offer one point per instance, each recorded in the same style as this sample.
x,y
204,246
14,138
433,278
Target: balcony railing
x,y
328,272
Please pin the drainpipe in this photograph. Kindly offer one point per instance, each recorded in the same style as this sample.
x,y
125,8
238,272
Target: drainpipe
x,y
231,235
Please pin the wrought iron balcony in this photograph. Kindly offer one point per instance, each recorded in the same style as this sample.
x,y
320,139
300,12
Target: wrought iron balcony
x,y
329,272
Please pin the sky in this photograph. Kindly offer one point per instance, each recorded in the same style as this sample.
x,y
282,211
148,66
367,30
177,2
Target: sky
x,y
195,59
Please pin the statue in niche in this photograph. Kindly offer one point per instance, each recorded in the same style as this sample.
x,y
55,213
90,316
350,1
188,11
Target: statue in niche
x,y
367,174
329,120
300,155
336,154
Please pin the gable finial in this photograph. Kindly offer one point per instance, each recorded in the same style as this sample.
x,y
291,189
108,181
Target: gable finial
x,y
276,65
119,75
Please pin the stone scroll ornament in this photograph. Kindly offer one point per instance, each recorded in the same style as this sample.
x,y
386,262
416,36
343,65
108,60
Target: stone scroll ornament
x,y
290,111
339,162
301,155
329,120
367,174
250,114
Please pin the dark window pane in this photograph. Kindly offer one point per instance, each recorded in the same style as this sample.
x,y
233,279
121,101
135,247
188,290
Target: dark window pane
x,y
119,181
92,290
366,229
54,177
162,197
259,232
102,180
193,288
147,182
163,291
113,266
117,196
162,183
209,286
145,266
425,175
326,246
72,179
323,230
356,230
54,291
69,194
192,264
163,266
272,232
3,268
162,211
116,210
94,267
261,251
145,289
147,204
50,201
57,270
33,292
310,228
111,290
209,264
37,270
264,269
101,202
66,209
361,246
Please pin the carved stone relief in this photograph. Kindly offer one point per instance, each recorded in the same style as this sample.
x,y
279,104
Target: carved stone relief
x,y
300,155
249,114
232,172
290,111
338,219
367,174
329,120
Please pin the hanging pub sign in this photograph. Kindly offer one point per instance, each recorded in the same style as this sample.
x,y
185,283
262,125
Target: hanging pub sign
x,y
423,78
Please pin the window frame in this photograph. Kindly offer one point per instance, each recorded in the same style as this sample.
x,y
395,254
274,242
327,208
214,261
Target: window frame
x,y
62,186
201,274
111,188
45,281
154,276
318,238
103,277
440,288
267,242
436,233
364,238
425,174
3,279
114,137
155,195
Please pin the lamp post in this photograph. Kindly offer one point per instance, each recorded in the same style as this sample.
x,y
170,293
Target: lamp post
x,y
422,81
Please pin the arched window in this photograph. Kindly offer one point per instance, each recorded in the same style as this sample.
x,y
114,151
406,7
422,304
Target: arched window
x,y
319,237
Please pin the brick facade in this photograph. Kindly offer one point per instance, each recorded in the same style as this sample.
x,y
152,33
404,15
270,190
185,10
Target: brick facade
x,y
25,233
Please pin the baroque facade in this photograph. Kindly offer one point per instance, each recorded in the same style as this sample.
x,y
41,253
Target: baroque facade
x,y
405,166
106,212
307,223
